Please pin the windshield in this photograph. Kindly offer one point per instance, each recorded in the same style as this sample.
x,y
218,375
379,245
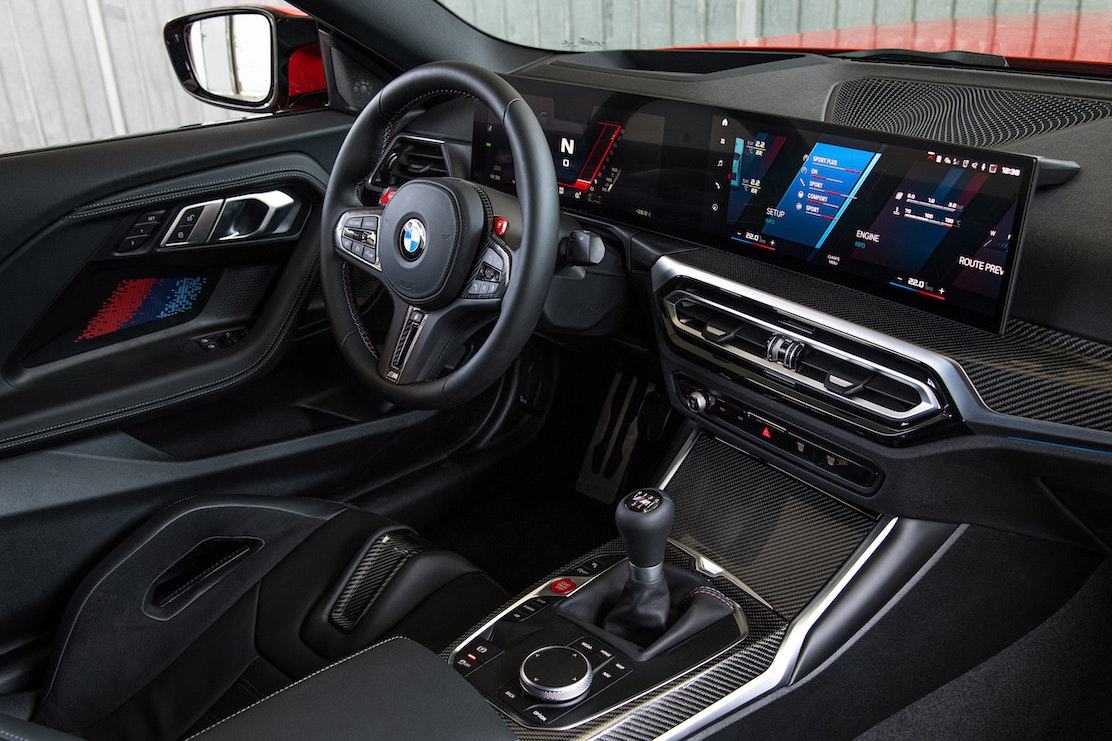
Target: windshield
x,y
1062,30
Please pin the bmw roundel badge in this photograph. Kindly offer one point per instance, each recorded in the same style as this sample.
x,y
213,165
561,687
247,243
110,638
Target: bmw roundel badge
x,y
413,239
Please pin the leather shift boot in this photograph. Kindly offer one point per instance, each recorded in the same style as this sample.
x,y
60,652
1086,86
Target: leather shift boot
x,y
641,614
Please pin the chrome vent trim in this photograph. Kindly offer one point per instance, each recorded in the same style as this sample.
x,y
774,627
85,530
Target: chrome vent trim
x,y
410,157
781,353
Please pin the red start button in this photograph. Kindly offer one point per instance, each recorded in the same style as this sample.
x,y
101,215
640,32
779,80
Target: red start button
x,y
562,586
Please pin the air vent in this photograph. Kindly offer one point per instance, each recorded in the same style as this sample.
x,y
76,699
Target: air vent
x,y
840,375
410,157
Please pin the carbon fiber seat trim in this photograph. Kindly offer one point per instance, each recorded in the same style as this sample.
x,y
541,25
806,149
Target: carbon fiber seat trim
x,y
379,565
974,116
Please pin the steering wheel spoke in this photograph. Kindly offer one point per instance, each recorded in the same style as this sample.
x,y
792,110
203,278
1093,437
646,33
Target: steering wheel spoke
x,y
452,255
423,342
355,238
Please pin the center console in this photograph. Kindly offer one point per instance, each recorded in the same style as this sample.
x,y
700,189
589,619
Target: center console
x,y
682,616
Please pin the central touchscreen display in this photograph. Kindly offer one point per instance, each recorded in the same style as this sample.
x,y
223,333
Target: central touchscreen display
x,y
931,225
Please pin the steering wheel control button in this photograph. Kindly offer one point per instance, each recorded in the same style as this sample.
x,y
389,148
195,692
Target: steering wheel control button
x,y
494,260
562,586
556,674
501,225
413,239
357,236
387,196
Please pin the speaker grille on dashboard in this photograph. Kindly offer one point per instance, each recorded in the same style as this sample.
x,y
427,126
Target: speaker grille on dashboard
x,y
974,116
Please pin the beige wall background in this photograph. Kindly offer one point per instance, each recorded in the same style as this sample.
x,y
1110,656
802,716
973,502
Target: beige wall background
x,y
76,70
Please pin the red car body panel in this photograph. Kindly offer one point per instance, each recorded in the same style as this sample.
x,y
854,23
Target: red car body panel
x,y
1082,39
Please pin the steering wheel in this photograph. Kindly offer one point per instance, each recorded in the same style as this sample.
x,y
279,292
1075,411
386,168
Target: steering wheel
x,y
450,254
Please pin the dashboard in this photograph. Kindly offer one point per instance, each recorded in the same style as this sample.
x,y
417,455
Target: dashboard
x,y
833,354
933,225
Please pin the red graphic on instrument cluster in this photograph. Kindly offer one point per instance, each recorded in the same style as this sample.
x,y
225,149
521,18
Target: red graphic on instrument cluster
x,y
606,137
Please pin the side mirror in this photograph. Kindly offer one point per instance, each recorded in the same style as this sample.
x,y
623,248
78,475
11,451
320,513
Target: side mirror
x,y
249,58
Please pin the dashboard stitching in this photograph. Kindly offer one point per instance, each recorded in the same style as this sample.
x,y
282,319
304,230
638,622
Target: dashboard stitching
x,y
107,207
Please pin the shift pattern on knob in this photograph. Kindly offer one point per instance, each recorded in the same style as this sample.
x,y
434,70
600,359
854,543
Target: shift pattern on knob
x,y
644,519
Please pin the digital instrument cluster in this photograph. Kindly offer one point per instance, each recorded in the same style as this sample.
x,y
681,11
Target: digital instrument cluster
x,y
927,224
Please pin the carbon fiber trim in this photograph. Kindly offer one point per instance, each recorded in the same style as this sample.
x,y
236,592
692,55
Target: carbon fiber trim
x,y
975,116
781,538
1030,371
379,565
667,706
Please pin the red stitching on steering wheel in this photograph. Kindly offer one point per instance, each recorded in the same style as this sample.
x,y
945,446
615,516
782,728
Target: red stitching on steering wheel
x,y
348,295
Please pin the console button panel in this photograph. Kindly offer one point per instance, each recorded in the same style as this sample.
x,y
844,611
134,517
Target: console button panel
x,y
768,432
492,658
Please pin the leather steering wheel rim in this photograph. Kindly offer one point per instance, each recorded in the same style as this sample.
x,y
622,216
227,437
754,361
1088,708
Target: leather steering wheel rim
x,y
533,260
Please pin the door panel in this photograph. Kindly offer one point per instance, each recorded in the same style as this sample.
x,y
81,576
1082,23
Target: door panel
x,y
111,404
99,329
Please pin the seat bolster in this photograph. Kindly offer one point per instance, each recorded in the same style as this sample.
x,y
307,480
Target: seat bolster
x,y
117,634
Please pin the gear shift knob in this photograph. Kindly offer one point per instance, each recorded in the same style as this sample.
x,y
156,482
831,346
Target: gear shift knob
x,y
644,518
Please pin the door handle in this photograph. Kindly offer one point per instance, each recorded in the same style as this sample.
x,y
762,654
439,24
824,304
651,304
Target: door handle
x,y
251,216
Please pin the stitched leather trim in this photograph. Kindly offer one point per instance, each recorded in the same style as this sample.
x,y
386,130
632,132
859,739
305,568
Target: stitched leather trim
x,y
124,412
49,687
410,106
291,686
354,311
138,200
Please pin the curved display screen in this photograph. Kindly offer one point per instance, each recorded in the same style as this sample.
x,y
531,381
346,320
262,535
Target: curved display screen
x,y
931,225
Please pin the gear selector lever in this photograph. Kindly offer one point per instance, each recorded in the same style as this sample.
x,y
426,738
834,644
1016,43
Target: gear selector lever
x,y
644,518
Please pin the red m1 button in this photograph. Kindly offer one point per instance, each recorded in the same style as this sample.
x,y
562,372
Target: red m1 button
x,y
386,196
501,225
562,586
